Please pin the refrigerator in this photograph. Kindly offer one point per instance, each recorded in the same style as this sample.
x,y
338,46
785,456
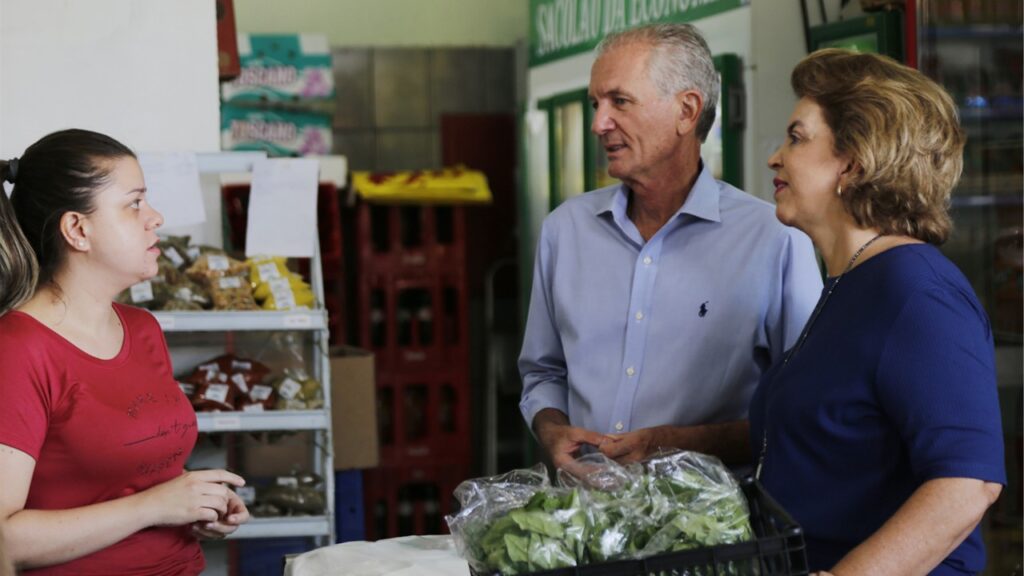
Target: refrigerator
x,y
974,49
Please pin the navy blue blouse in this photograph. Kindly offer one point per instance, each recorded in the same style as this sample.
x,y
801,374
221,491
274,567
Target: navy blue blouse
x,y
894,386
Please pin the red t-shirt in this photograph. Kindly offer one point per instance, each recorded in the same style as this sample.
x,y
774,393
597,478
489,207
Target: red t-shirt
x,y
99,430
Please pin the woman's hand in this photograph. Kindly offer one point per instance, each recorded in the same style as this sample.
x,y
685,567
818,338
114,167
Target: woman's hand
x,y
236,515
201,496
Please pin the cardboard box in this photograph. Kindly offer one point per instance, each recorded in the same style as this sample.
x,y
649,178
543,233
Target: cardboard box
x,y
276,132
270,454
282,68
354,409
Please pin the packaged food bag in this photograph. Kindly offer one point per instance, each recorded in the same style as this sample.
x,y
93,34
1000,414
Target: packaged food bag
x,y
600,511
517,523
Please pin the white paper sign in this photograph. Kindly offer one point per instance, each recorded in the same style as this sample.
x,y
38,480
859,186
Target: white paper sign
x,y
282,207
172,187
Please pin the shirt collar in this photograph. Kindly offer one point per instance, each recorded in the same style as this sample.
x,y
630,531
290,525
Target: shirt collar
x,y
702,201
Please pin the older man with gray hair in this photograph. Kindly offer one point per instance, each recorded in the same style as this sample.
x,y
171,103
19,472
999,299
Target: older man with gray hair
x,y
657,303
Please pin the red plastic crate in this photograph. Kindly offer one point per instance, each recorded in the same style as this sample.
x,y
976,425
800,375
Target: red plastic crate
x,y
399,238
334,301
410,500
423,418
414,322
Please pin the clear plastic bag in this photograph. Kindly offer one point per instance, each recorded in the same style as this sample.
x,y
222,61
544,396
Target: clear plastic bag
x,y
697,503
294,387
518,523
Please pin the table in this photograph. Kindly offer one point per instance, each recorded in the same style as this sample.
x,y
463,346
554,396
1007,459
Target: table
x,y
405,556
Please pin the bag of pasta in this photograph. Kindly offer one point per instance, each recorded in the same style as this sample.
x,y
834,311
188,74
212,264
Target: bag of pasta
x,y
175,250
212,265
267,268
285,294
232,293
150,294
277,288
297,390
187,294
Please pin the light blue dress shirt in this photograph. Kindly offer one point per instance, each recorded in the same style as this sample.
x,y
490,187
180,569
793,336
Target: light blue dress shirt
x,y
625,334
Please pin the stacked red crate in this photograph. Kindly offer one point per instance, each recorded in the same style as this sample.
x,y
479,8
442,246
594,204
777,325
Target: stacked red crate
x,y
406,238
410,500
414,321
424,418
236,209
413,314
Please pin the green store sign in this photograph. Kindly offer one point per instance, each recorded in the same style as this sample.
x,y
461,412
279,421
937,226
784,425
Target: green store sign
x,y
560,28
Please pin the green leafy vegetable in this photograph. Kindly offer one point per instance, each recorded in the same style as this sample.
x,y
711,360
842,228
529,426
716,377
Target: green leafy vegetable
x,y
677,501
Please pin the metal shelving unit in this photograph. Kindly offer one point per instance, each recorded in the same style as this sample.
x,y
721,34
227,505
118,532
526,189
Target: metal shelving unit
x,y
285,527
214,422
236,325
216,321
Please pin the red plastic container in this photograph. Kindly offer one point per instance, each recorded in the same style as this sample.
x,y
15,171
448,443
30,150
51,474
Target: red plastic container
x,y
410,500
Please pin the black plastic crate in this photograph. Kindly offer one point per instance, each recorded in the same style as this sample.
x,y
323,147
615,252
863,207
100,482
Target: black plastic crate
x,y
778,550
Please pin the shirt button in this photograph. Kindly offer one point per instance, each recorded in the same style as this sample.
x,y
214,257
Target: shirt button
x,y
647,260
618,426
630,371
639,315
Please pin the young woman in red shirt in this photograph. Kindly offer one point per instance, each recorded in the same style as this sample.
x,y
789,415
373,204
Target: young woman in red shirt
x,y
94,431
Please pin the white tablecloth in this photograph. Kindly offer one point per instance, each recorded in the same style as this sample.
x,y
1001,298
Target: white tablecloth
x,y
406,556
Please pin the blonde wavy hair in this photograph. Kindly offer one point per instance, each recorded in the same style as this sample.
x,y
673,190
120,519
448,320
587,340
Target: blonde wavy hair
x,y
900,128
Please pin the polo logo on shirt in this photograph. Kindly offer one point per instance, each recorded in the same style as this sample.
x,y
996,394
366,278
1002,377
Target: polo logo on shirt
x,y
703,309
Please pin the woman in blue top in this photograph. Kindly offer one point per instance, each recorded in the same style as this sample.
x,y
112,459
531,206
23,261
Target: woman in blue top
x,y
880,429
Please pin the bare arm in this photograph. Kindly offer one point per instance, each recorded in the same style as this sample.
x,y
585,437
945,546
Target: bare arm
x,y
36,538
936,518
730,441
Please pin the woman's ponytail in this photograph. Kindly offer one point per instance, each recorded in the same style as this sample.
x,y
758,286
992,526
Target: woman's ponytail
x,y
19,269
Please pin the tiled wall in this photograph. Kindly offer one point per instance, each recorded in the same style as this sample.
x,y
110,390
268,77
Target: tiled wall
x,y
389,100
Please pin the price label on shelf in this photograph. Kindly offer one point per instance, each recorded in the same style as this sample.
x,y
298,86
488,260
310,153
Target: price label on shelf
x,y
298,321
227,422
166,321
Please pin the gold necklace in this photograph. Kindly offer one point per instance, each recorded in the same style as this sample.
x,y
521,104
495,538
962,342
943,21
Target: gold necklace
x,y
800,342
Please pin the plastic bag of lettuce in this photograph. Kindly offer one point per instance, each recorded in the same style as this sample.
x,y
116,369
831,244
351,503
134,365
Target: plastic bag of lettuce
x,y
518,523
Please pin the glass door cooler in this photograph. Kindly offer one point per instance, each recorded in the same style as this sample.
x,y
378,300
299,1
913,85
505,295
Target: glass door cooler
x,y
974,49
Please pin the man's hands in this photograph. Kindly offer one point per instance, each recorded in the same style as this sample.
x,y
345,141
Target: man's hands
x,y
634,446
729,441
562,441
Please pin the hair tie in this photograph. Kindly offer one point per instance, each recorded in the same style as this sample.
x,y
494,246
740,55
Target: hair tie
x,y
12,170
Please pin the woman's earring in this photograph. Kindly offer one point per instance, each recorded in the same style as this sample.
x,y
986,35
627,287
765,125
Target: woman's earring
x,y
839,190
81,244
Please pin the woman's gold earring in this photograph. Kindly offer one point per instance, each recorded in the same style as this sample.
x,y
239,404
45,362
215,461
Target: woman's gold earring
x,y
839,190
